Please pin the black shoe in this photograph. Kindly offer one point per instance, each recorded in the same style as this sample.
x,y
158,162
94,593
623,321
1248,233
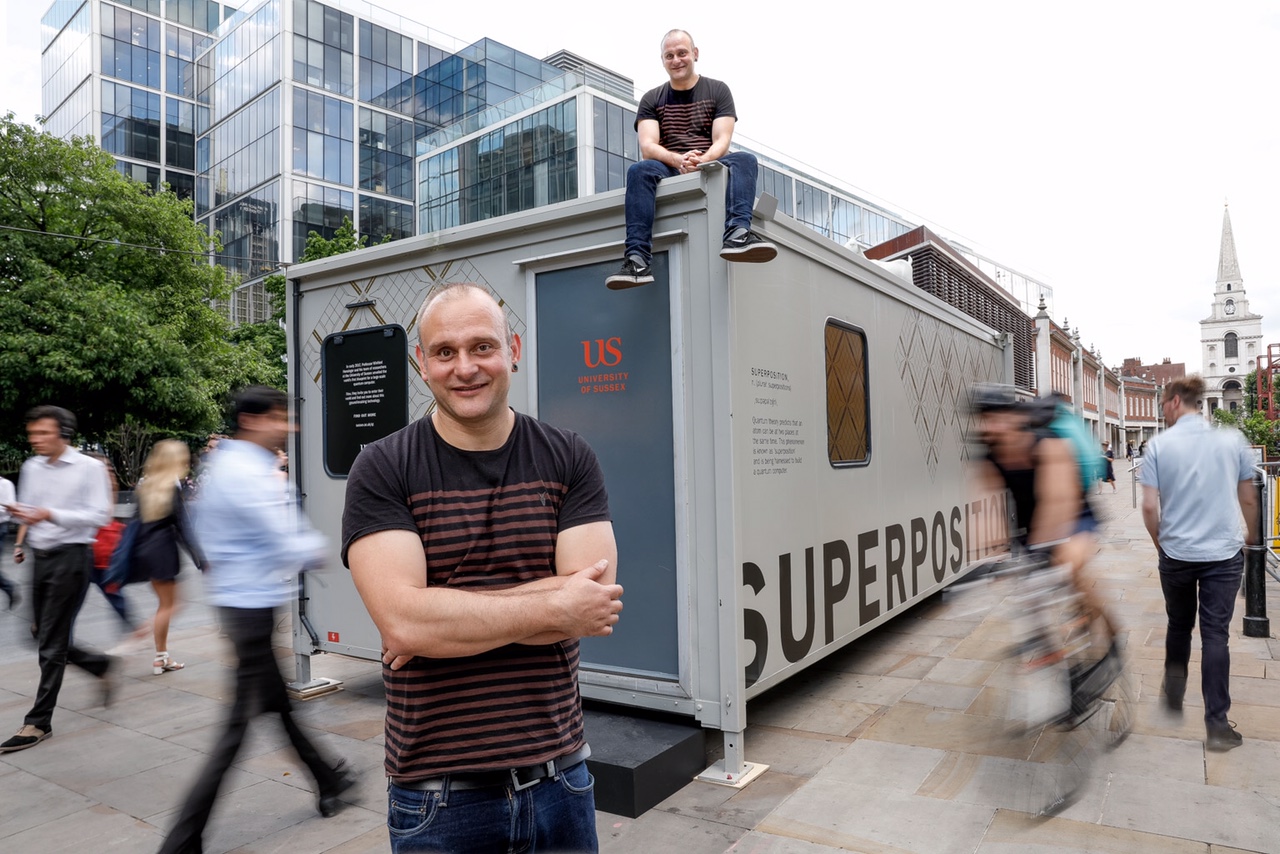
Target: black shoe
x,y
1172,691
329,804
28,736
634,272
1223,738
15,597
110,682
744,245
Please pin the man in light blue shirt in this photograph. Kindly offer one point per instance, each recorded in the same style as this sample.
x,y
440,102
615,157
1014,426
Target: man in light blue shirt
x,y
1195,482
255,542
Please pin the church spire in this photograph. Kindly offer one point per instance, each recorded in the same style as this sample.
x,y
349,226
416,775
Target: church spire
x,y
1228,264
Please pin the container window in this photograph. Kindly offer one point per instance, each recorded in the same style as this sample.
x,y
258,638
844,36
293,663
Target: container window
x,y
848,407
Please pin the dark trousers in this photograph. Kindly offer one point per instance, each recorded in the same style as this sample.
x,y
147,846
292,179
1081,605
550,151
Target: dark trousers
x,y
7,586
1211,588
259,688
58,584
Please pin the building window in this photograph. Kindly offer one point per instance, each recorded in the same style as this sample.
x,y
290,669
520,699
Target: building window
x,y
380,219
179,63
319,209
200,14
180,134
616,144
848,406
322,136
323,47
386,153
778,185
1231,346
130,47
130,122
386,61
149,175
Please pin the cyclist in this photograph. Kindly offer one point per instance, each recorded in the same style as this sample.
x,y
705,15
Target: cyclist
x,y
1029,453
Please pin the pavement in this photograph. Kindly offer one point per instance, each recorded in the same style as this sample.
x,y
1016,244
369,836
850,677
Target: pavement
x,y
880,748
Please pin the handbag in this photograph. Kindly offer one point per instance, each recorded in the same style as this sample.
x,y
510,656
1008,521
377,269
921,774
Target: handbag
x,y
118,568
104,544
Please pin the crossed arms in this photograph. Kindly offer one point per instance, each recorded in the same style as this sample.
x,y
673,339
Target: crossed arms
x,y
581,600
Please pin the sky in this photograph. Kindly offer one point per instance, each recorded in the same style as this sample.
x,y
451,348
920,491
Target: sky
x,y
1090,145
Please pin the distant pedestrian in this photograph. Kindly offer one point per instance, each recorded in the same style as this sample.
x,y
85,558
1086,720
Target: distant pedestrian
x,y
62,501
7,497
164,526
1196,480
1142,449
255,541
1128,450
1109,473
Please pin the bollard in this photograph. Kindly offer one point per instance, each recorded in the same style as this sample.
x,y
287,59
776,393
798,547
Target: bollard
x,y
1256,624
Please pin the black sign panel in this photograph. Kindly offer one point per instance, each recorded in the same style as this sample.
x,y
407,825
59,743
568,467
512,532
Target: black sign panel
x,y
365,384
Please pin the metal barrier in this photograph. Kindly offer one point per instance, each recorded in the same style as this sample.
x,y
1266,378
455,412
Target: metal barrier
x,y
1256,624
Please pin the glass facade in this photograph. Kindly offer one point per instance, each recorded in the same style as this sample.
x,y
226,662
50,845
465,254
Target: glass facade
x,y
198,14
323,45
616,144
66,62
243,152
386,61
322,137
525,164
179,64
387,146
320,209
242,64
249,228
130,46
380,218
130,122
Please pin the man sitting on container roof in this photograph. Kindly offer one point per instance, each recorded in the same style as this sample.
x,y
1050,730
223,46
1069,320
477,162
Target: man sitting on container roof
x,y
682,124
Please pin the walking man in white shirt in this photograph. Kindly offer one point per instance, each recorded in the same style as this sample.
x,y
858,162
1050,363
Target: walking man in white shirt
x,y
63,500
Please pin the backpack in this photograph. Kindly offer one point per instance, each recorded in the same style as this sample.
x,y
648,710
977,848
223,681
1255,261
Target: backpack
x,y
1065,424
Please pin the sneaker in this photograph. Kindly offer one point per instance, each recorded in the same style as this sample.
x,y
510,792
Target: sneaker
x,y
109,681
634,272
329,805
1222,737
744,245
28,736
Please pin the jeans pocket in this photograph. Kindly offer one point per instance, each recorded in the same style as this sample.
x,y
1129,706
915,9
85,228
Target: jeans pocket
x,y
577,780
410,812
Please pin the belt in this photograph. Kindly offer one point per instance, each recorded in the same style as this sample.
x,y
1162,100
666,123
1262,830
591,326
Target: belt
x,y
56,550
517,778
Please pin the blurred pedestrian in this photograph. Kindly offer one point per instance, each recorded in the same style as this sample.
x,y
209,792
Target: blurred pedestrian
x,y
62,501
1109,472
164,526
255,541
1196,481
7,496
104,545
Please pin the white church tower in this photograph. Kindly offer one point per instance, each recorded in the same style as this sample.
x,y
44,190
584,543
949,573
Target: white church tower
x,y
1231,336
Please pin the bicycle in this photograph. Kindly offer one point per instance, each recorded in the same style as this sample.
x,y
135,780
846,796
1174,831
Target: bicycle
x,y
1066,702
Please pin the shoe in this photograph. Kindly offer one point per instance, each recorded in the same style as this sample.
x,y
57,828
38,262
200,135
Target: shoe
x,y
634,272
110,682
1172,691
28,736
1223,738
744,245
165,664
329,805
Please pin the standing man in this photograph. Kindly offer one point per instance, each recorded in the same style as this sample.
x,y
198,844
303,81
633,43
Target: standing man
x,y
255,542
682,124
1196,480
480,541
62,501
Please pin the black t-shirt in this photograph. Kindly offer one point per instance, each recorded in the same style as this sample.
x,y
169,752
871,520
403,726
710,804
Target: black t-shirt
x,y
487,519
685,117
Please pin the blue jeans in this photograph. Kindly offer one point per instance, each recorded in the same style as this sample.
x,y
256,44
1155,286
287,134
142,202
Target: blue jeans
x,y
1212,587
642,192
555,815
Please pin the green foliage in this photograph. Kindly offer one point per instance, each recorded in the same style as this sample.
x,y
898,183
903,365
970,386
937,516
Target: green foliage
x,y
1255,427
106,296
344,239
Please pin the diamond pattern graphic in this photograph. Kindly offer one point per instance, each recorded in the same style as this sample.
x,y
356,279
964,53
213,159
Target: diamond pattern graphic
x,y
937,365
395,298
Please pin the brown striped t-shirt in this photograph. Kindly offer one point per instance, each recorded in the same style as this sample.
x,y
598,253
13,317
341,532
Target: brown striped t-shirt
x,y
488,519
685,116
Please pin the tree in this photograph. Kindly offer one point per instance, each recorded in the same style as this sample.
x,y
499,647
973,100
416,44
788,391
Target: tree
x,y
1256,428
344,239
106,296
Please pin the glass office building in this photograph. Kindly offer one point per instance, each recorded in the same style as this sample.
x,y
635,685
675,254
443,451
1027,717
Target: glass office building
x,y
279,118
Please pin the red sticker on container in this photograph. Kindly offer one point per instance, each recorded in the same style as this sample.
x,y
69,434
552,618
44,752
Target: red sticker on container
x,y
333,637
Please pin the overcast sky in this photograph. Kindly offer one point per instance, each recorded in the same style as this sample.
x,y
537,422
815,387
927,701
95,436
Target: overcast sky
x,y
1091,145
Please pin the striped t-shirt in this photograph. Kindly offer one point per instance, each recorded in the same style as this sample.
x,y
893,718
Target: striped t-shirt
x,y
685,116
488,519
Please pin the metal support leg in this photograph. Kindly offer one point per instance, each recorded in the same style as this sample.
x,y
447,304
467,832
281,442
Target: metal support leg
x,y
1256,624
733,770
